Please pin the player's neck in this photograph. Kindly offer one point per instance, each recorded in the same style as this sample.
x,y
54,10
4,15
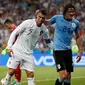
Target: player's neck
x,y
66,18
38,24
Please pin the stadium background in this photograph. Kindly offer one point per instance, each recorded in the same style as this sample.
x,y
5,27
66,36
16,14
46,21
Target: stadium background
x,y
19,10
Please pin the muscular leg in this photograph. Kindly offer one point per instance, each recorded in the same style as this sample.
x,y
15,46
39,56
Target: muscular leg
x,y
30,77
8,77
67,81
61,78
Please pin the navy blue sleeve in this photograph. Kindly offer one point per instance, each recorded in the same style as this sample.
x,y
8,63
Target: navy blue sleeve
x,y
47,41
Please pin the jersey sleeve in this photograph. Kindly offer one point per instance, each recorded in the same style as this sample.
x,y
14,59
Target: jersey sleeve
x,y
77,30
53,19
46,33
47,39
16,32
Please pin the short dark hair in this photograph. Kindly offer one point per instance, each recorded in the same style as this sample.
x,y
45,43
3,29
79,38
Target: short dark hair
x,y
8,21
43,11
67,6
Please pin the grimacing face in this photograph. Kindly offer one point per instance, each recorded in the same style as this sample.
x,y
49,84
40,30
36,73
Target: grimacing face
x,y
40,18
70,13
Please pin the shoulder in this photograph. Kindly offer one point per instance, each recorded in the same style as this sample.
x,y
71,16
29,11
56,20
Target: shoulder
x,y
44,27
55,18
76,21
58,16
28,22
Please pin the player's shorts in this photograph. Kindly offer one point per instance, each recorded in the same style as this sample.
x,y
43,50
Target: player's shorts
x,y
63,60
26,62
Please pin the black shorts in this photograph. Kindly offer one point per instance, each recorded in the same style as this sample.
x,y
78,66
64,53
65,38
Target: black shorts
x,y
63,60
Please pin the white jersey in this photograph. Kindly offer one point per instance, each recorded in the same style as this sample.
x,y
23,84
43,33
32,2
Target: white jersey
x,y
28,36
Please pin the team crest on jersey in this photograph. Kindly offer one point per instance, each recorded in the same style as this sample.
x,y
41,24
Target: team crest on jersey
x,y
73,25
58,66
41,32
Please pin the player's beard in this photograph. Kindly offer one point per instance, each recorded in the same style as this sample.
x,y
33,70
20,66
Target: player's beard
x,y
39,25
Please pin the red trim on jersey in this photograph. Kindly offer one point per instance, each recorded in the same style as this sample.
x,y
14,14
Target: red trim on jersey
x,y
13,28
17,73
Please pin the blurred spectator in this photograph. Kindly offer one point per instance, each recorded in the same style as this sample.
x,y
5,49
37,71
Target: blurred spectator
x,y
20,10
58,1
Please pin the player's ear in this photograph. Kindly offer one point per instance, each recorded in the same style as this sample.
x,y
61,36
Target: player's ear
x,y
37,11
36,16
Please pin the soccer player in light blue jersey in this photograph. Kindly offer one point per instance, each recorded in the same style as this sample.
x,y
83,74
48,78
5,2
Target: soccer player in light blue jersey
x,y
65,26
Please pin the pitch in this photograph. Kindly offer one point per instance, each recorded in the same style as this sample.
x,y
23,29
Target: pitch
x,y
47,75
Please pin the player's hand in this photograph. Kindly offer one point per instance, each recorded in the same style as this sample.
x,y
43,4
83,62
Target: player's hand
x,y
79,57
4,51
10,52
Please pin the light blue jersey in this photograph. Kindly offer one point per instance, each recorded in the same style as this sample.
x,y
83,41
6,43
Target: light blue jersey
x,y
63,31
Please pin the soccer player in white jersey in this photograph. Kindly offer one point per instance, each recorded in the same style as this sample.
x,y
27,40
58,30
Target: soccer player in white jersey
x,y
29,33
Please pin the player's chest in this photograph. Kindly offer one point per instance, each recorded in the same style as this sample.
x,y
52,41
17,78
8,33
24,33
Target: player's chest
x,y
66,26
34,32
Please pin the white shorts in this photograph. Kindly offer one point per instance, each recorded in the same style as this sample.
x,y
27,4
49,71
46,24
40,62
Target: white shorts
x,y
26,62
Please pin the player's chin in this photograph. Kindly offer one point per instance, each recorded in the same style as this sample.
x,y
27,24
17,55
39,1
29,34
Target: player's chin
x,y
70,18
40,23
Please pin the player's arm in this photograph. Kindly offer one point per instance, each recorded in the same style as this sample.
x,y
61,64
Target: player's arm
x,y
47,39
51,20
49,43
4,51
79,44
13,35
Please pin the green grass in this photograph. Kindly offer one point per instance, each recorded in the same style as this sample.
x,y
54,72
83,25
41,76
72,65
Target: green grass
x,y
48,75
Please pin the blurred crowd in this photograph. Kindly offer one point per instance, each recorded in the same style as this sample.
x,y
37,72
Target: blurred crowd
x,y
19,10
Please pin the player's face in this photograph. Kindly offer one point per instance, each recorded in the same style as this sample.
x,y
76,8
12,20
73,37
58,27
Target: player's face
x,y
40,18
8,26
70,13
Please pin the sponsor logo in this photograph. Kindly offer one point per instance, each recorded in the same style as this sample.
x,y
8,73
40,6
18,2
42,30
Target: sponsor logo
x,y
58,66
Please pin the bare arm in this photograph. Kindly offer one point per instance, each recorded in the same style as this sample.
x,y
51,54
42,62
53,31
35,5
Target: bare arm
x,y
47,22
80,47
52,20
79,44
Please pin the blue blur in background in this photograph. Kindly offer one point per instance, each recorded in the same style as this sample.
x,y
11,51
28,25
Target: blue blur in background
x,y
44,59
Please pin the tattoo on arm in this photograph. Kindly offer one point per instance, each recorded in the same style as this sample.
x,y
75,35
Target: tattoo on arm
x,y
77,32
